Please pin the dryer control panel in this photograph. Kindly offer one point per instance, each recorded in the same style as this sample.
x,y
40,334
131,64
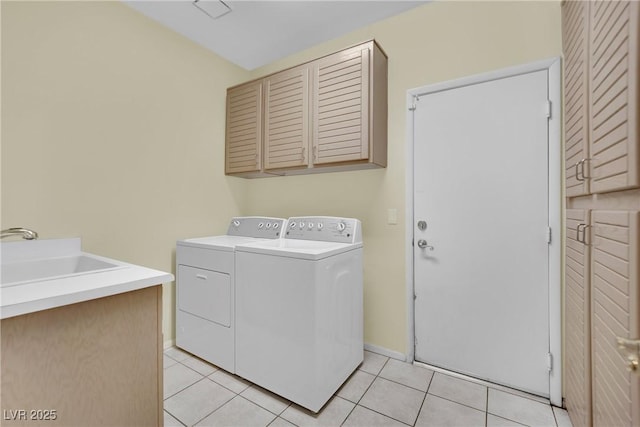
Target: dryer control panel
x,y
257,226
324,228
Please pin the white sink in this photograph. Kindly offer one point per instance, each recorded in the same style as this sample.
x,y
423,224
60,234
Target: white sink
x,y
17,273
31,261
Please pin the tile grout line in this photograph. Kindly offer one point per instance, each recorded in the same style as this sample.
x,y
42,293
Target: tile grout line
x,y
365,392
181,390
395,382
486,409
424,399
489,384
457,403
173,416
554,416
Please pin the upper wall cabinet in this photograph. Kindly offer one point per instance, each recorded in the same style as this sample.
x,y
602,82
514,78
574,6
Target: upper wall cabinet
x,y
325,115
601,43
244,129
286,119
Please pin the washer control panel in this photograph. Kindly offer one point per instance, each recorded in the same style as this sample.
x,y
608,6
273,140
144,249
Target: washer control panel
x,y
257,226
324,228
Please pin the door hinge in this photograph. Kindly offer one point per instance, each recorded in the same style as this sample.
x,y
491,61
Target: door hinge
x,y
549,235
549,362
548,108
413,104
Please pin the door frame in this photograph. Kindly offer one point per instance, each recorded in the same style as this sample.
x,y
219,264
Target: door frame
x,y
556,208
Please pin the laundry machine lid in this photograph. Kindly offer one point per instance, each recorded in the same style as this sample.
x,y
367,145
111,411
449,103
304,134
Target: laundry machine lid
x,y
221,243
301,249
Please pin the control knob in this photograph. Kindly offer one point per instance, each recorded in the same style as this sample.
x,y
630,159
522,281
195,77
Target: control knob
x,y
236,223
341,226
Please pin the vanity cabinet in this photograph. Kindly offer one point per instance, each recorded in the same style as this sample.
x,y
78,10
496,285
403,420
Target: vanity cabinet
x,y
93,363
326,115
601,45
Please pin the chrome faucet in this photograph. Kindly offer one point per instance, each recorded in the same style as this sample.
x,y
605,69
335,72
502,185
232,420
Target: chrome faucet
x,y
19,231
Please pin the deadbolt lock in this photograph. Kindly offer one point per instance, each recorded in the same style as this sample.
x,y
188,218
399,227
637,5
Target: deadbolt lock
x,y
422,225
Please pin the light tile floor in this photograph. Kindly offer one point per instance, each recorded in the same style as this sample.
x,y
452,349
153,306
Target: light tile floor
x,y
382,392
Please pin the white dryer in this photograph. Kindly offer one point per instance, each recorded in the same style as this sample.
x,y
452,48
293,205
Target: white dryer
x,y
205,290
299,316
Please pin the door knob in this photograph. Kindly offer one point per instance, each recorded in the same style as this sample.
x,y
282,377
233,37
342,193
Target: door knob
x,y
631,350
422,244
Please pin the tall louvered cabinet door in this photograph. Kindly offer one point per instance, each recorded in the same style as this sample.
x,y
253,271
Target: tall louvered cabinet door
x,y
341,107
615,313
614,94
244,128
575,16
577,319
286,119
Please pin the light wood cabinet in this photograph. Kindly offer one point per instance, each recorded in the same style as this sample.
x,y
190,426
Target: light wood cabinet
x,y
614,313
614,51
341,107
94,363
602,253
574,37
601,46
244,129
322,116
286,119
578,317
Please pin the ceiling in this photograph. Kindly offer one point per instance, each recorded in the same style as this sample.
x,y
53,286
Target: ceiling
x,y
255,33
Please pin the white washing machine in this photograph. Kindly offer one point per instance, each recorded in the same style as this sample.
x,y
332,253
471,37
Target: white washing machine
x,y
205,290
299,309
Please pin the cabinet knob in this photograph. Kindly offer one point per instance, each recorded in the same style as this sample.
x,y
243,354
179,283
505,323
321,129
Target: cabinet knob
x,y
630,349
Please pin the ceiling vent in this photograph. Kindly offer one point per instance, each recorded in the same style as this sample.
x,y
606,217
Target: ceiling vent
x,y
212,8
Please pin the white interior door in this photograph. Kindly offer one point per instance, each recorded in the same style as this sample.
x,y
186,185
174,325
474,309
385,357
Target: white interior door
x,y
481,187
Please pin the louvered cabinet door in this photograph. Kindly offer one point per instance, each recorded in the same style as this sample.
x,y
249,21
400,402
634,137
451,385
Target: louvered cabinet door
x,y
341,107
615,300
575,18
614,48
244,128
286,128
577,319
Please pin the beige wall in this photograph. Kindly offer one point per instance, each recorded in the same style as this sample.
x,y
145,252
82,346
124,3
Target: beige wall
x,y
113,130
436,42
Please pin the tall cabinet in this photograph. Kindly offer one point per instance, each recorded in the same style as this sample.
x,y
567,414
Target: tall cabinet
x,y
601,45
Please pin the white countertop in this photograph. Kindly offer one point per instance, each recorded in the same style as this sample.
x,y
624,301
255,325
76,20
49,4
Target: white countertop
x,y
44,294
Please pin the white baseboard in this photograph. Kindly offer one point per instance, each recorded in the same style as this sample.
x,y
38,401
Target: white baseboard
x,y
169,343
385,352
